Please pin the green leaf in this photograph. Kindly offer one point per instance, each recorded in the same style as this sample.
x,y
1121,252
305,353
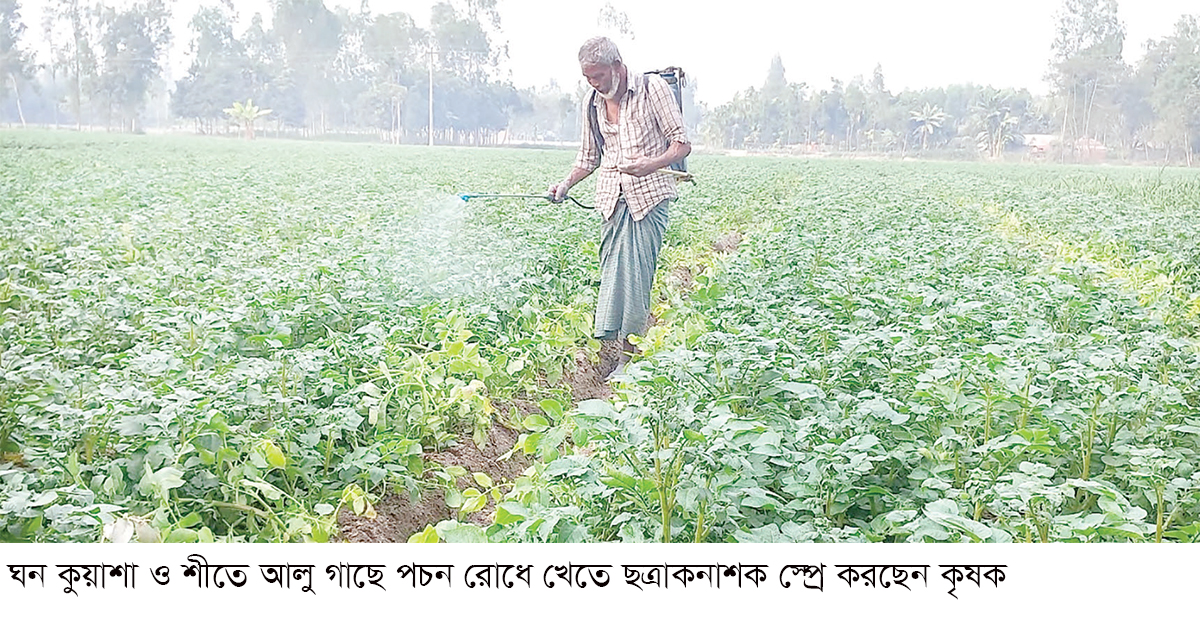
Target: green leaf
x,y
275,457
270,492
474,504
535,422
595,407
43,498
454,532
532,443
161,482
881,408
183,535
429,535
946,512
510,513
619,480
371,389
551,407
189,520
802,391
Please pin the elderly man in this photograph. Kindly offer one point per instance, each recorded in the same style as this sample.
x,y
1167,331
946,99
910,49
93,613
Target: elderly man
x,y
631,129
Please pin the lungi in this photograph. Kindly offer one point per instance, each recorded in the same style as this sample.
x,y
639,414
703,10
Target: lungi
x,y
628,257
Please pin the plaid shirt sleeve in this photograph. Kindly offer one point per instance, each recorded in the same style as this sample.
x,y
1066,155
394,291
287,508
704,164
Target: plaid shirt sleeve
x,y
589,152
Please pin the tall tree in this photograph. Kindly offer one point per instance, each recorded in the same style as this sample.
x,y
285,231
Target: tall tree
x,y
858,111
264,54
1087,67
134,45
1172,66
832,117
774,96
16,64
220,72
464,97
461,43
72,28
311,37
353,73
882,112
392,44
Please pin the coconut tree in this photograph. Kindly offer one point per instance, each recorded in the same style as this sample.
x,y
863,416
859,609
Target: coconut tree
x,y
246,114
928,120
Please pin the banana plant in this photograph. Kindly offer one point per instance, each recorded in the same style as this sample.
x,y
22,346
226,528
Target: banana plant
x,y
246,114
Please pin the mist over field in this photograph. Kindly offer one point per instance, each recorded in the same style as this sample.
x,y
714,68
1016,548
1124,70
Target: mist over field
x,y
1112,83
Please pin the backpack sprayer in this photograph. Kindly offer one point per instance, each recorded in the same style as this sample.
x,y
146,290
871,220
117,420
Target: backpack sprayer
x,y
674,79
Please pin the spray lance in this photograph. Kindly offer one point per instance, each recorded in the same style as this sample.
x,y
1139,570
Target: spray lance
x,y
678,175
467,197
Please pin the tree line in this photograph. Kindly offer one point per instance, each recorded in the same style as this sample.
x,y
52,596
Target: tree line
x,y
315,70
1098,103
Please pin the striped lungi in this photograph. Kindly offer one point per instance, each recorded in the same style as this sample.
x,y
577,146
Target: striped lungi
x,y
628,258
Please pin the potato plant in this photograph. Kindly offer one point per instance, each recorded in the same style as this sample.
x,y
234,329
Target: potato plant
x,y
205,340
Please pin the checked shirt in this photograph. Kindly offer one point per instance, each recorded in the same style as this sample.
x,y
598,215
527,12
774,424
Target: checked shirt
x,y
648,122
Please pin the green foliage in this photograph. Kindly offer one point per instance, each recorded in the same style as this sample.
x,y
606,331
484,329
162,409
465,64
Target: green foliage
x,y
204,351
247,346
887,364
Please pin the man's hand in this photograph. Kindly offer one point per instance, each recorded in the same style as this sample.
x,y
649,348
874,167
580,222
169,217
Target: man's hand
x,y
638,166
557,193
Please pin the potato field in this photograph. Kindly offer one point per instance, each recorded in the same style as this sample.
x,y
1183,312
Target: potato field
x,y
211,339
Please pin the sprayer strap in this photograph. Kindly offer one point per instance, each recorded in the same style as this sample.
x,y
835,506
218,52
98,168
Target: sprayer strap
x,y
594,123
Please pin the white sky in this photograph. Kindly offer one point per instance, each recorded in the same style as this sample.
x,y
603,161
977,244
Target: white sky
x,y
727,46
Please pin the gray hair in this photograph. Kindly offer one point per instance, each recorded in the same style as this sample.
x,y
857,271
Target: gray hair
x,y
599,51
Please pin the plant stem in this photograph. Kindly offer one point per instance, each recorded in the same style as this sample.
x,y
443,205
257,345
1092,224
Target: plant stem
x,y
1158,528
1091,438
328,453
987,416
1025,401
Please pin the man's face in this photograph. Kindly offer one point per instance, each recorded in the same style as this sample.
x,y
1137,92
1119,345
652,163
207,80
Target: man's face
x,y
603,78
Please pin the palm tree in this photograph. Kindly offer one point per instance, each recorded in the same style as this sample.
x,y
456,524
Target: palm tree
x,y
246,114
928,119
997,125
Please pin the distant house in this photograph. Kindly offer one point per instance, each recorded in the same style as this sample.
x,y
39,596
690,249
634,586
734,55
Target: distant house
x,y
1086,149
1090,150
1040,144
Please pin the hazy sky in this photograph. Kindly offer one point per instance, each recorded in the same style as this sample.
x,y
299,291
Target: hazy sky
x,y
727,46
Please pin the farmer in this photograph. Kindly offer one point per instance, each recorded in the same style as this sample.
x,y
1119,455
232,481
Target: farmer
x,y
631,129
